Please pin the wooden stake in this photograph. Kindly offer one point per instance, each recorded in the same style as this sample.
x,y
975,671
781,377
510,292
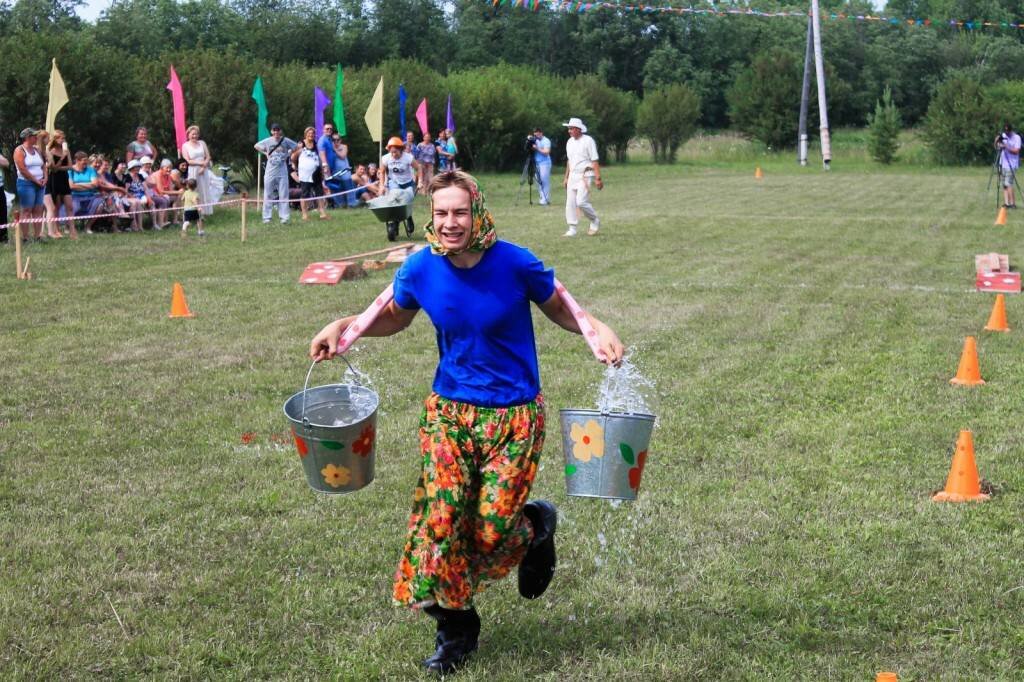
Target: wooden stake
x,y
17,244
26,274
245,197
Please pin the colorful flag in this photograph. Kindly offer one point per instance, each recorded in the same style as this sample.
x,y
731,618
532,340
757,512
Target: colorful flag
x,y
449,119
374,117
401,109
339,108
58,97
178,100
421,116
262,132
320,102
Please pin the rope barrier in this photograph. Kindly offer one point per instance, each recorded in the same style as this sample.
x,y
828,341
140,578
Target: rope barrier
x,y
228,202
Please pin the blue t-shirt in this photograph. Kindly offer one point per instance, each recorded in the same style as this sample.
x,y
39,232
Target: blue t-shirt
x,y
326,145
83,177
538,158
488,356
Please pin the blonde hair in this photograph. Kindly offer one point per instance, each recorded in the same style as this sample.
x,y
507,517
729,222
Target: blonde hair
x,y
455,178
57,132
307,131
188,131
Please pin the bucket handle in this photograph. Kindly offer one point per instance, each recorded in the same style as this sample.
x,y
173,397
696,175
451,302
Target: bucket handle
x,y
305,386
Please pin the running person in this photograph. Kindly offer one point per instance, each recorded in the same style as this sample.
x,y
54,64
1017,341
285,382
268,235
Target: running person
x,y
482,427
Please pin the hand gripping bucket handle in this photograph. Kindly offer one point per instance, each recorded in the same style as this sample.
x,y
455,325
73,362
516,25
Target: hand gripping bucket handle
x,y
335,428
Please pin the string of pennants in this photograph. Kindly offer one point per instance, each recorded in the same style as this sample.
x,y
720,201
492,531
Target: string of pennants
x,y
579,7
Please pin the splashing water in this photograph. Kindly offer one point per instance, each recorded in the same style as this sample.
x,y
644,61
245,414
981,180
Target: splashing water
x,y
624,388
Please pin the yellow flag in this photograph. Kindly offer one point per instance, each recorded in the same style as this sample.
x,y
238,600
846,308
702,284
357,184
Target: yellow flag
x,y
58,97
375,113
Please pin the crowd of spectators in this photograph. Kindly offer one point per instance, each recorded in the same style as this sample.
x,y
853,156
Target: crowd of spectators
x,y
63,192
98,194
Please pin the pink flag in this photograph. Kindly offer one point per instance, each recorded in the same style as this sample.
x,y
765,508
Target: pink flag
x,y
178,100
421,116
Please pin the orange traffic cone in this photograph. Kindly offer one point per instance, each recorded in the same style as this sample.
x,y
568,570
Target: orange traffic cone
x,y
758,173
997,320
887,677
179,308
962,484
1001,216
968,374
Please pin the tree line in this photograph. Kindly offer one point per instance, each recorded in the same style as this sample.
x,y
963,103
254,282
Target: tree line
x,y
507,69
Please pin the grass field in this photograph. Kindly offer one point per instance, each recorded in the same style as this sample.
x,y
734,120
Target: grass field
x,y
801,331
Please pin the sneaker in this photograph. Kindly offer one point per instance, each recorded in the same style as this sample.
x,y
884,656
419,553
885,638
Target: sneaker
x,y
538,566
201,233
594,227
267,221
571,232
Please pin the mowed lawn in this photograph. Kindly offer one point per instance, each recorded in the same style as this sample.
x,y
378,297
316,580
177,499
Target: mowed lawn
x,y
801,331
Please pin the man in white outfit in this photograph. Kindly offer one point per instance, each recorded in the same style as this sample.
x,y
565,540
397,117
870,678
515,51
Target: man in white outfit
x,y
581,168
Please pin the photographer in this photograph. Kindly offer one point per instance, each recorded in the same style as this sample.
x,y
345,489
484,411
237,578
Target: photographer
x,y
1008,144
540,147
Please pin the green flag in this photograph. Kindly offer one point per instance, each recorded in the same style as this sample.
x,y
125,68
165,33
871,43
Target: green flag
x,y
261,103
339,108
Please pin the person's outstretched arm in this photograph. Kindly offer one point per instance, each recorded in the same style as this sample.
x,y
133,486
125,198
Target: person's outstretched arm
x,y
607,340
391,320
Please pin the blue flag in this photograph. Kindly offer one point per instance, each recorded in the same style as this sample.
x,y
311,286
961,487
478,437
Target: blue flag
x,y
401,110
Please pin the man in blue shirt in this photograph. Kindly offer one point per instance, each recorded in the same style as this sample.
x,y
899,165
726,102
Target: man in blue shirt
x,y
542,161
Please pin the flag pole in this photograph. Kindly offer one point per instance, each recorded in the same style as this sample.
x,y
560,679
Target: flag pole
x,y
259,168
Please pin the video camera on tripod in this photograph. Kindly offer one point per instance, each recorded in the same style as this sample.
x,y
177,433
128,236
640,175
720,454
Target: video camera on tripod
x,y
529,167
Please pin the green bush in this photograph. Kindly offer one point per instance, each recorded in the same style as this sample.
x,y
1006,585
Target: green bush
x,y
496,107
667,117
1008,99
614,122
764,101
884,129
961,122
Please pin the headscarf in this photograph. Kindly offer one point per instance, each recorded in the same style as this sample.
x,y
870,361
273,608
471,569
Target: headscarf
x,y
482,236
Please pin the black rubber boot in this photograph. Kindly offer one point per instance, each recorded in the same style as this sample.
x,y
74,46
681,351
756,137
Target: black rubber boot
x,y
538,566
457,635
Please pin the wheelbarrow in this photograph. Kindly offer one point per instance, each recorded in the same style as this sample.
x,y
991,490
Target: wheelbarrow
x,y
393,208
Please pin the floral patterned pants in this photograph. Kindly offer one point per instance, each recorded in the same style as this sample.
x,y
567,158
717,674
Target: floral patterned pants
x,y
467,525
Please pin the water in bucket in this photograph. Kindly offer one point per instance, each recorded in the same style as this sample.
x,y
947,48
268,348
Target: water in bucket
x,y
606,449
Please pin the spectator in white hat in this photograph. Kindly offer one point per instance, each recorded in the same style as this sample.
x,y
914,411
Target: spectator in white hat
x,y
581,168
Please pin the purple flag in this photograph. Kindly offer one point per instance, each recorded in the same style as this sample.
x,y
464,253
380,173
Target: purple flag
x,y
320,102
401,109
449,119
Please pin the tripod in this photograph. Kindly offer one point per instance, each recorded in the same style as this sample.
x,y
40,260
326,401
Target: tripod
x,y
526,178
997,172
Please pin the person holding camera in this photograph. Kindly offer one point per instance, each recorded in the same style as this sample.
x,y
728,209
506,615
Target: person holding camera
x,y
1008,144
541,148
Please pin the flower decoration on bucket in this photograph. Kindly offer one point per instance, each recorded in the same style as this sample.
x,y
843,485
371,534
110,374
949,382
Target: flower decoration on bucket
x,y
336,476
364,444
640,460
588,440
300,445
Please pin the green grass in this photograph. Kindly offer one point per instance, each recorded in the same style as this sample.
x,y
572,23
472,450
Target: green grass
x,y
801,330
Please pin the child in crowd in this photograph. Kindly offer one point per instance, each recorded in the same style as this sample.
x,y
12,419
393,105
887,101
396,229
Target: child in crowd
x,y
190,200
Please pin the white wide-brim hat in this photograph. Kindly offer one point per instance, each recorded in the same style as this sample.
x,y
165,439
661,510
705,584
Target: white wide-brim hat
x,y
574,122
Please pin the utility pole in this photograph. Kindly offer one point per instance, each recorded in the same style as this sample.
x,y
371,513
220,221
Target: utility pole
x,y
805,96
819,67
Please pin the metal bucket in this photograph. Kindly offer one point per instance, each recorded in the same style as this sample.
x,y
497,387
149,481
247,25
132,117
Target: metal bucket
x,y
337,451
605,452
